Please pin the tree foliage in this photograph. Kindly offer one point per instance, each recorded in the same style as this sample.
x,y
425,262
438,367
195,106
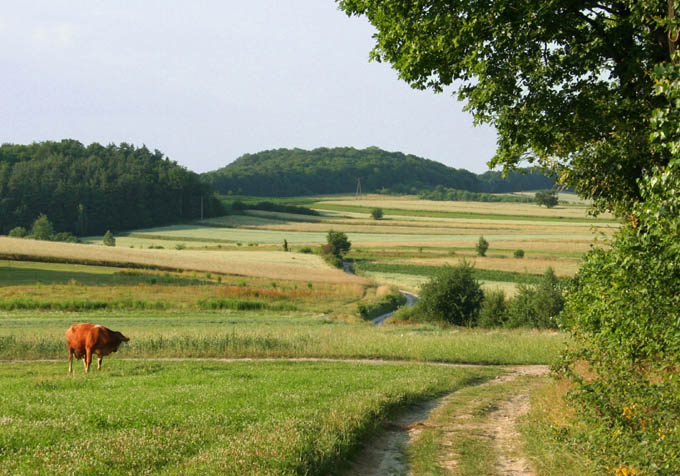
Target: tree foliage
x,y
548,198
109,239
452,295
42,228
482,246
295,172
624,313
591,91
87,190
338,242
565,83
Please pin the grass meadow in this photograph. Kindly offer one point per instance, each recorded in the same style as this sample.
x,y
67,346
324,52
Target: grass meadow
x,y
257,334
203,418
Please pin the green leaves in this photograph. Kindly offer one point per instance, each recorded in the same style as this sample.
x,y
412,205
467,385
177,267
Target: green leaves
x,y
566,84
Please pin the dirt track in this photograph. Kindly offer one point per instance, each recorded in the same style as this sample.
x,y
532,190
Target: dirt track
x,y
384,456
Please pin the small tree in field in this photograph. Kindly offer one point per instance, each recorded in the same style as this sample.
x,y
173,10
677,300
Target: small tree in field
x,y
453,295
338,243
42,228
547,198
481,246
377,213
336,246
109,240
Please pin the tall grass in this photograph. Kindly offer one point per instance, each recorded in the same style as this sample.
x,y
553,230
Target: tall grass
x,y
231,334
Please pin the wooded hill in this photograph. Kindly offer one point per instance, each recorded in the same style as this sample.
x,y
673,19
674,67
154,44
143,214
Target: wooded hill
x,y
88,190
295,172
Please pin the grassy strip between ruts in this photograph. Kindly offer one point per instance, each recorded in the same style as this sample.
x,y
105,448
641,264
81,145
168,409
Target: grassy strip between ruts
x,y
458,433
199,418
424,270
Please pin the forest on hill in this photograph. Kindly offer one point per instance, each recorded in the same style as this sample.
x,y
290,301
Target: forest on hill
x,y
295,172
86,190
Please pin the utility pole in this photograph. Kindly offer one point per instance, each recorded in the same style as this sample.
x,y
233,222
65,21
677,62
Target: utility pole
x,y
358,194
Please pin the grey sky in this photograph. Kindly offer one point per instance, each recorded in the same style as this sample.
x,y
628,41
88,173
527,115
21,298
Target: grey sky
x,y
207,81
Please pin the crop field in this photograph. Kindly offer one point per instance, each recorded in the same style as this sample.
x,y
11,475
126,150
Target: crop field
x,y
267,263
473,208
414,237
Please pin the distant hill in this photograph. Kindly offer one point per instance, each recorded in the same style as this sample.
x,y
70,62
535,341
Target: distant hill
x,y
295,172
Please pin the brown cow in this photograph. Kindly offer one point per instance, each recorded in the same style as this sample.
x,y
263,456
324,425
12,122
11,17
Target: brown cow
x,y
85,339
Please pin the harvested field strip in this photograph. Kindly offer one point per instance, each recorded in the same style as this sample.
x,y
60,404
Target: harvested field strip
x,y
562,266
148,236
549,245
424,270
461,214
432,228
271,264
493,208
246,418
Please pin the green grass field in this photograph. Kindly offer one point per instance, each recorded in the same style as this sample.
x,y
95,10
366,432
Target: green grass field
x,y
201,418
238,334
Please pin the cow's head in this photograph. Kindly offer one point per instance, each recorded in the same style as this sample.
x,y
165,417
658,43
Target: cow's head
x,y
118,339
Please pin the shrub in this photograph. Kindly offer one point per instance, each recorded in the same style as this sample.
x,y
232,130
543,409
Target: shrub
x,y
306,250
547,198
180,246
377,213
18,232
42,228
518,254
537,307
409,313
109,240
338,242
65,236
493,312
285,245
385,304
452,295
481,246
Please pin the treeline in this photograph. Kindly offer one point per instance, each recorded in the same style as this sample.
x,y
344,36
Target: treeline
x,y
88,190
238,205
455,195
296,172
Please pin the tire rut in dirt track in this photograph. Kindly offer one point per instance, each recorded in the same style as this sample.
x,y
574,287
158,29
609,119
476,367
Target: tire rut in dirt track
x,y
384,456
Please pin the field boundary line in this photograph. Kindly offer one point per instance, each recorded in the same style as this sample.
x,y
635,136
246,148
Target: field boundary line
x,y
532,367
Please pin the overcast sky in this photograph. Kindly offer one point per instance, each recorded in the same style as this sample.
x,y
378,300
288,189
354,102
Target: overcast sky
x,y
207,81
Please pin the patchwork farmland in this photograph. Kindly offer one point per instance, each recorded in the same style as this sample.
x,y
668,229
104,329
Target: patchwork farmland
x,y
245,358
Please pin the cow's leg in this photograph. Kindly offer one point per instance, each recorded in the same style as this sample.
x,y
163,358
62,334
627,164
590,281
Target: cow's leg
x,y
88,359
99,362
70,360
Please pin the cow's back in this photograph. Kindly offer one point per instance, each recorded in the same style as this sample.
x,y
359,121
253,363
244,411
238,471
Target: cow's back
x,y
82,336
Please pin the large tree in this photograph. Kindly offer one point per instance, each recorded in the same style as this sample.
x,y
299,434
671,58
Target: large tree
x,y
590,89
566,83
